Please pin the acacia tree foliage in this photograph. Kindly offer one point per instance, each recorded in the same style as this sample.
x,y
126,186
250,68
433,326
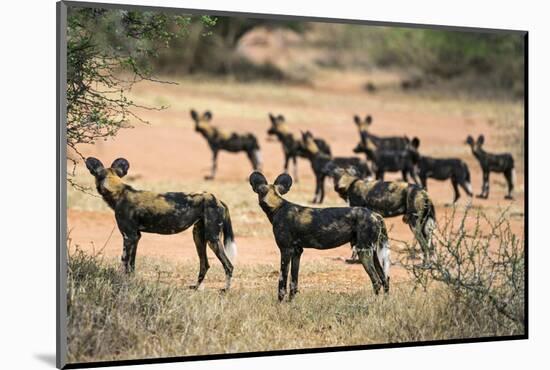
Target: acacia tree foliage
x,y
108,51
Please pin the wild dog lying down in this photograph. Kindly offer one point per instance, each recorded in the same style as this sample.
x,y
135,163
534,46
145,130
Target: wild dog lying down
x,y
220,140
292,148
380,142
489,162
319,161
390,199
138,211
444,169
389,160
296,227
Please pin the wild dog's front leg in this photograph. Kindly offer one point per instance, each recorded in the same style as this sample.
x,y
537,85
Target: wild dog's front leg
x,y
287,159
295,164
200,244
485,187
322,190
286,255
294,270
317,190
130,242
214,165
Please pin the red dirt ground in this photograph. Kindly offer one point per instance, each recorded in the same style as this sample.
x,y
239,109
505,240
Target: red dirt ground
x,y
169,150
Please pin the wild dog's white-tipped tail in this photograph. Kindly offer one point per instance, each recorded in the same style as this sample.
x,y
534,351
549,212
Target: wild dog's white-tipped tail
x,y
383,253
258,157
469,186
231,250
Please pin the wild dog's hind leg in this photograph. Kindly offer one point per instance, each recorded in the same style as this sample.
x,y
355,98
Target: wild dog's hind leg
x,y
254,159
418,232
294,270
365,253
217,247
200,244
509,175
455,188
214,212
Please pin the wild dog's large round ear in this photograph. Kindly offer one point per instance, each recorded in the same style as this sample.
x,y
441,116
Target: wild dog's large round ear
x,y
357,119
281,118
272,118
283,182
415,142
121,166
469,140
256,180
480,140
194,115
207,115
95,167
368,119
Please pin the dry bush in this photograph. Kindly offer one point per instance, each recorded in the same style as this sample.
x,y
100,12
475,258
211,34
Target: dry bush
x,y
482,269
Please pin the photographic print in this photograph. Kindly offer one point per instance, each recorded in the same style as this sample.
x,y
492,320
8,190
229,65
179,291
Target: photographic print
x,y
239,184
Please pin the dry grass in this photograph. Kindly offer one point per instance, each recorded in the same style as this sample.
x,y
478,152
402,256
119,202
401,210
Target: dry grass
x,y
153,314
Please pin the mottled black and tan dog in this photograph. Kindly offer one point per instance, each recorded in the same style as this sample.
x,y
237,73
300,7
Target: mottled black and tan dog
x,y
390,199
220,140
489,162
296,227
442,169
319,161
391,160
292,148
138,211
380,142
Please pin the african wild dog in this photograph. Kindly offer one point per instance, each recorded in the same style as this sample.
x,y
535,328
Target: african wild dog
x,y
221,140
489,162
138,211
296,227
388,142
444,169
390,160
292,148
390,199
319,161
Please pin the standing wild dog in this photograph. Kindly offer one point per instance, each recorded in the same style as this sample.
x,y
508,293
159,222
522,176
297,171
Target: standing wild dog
x,y
444,169
292,148
138,211
220,140
390,199
388,142
391,160
296,227
319,161
489,162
